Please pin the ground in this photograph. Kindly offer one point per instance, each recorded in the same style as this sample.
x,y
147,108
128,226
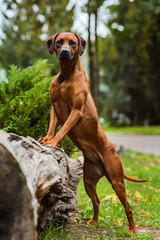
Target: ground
x,y
140,143
144,199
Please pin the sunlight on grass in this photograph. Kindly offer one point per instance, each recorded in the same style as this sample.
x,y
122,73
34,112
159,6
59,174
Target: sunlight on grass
x,y
151,130
144,198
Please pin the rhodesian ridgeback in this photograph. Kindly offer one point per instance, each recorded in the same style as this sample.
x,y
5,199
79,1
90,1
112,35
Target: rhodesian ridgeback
x,y
73,106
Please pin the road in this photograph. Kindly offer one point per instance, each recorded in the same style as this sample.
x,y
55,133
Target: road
x,y
139,143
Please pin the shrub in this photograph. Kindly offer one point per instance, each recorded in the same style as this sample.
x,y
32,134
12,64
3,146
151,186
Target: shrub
x,y
25,103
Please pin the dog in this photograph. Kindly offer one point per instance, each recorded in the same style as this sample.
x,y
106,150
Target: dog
x,y
73,106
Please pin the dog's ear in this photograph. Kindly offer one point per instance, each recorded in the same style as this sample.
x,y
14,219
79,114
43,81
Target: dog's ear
x,y
50,43
81,44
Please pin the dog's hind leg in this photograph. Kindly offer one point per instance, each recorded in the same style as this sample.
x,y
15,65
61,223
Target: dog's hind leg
x,y
119,188
91,176
114,173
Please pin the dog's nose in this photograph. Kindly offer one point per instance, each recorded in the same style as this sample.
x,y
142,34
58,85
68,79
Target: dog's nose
x,y
65,52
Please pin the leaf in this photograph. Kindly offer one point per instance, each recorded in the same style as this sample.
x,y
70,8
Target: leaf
x,y
137,196
112,197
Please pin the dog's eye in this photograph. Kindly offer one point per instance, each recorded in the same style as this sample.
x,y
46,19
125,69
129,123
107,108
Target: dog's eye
x,y
59,42
72,43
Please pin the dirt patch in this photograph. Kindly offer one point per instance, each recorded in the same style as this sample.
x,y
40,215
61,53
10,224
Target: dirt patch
x,y
76,228
154,232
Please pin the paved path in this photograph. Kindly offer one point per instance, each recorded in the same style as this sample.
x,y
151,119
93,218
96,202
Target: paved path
x,y
139,143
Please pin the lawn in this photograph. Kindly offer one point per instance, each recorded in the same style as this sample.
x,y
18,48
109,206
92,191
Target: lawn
x,y
153,130
144,199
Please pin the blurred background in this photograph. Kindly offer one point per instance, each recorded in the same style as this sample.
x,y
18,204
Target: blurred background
x,y
122,59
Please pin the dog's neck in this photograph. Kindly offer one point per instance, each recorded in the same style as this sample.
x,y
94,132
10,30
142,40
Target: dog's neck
x,y
67,68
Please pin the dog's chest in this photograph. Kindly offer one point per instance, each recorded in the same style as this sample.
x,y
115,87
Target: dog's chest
x,y
62,100
60,92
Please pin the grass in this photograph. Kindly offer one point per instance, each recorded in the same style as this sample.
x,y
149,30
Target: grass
x,y
144,199
152,130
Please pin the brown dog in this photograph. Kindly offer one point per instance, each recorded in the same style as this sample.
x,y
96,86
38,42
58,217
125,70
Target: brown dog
x,y
73,106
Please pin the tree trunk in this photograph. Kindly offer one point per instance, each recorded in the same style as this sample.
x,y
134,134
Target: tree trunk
x,y
90,55
96,61
93,52
37,183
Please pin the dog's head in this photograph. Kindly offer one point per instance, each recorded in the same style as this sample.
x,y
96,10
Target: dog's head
x,y
66,45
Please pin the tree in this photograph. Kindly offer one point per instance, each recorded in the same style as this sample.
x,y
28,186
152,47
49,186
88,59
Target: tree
x,y
133,50
25,32
92,9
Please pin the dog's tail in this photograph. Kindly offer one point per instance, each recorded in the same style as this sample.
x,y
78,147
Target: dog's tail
x,y
133,179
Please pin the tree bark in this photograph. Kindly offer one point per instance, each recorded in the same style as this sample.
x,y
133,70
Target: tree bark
x,y
93,52
96,87
90,53
37,183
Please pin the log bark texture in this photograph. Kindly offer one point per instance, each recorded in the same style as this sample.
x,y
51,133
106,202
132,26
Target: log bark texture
x,y
37,183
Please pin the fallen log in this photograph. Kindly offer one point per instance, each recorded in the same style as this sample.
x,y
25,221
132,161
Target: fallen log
x,y
37,183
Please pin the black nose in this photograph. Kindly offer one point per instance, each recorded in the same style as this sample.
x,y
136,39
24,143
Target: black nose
x,y
65,54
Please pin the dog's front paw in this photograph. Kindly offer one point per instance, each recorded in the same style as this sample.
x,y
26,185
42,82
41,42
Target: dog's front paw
x,y
46,142
53,144
43,140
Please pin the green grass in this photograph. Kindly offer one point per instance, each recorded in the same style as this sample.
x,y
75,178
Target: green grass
x,y
144,199
153,130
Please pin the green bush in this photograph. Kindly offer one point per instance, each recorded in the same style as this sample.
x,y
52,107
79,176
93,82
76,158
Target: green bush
x,y
25,103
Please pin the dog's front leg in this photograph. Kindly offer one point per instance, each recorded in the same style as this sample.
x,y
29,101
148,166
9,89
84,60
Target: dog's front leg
x,y
73,118
52,126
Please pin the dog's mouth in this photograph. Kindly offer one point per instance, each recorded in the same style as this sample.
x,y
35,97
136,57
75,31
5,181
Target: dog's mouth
x,y
65,54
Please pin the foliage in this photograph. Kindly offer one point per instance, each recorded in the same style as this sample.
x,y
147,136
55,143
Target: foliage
x,y
27,25
123,67
143,198
25,103
132,73
50,232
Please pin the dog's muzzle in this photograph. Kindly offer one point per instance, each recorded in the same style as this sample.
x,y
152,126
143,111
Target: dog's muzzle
x,y
65,54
